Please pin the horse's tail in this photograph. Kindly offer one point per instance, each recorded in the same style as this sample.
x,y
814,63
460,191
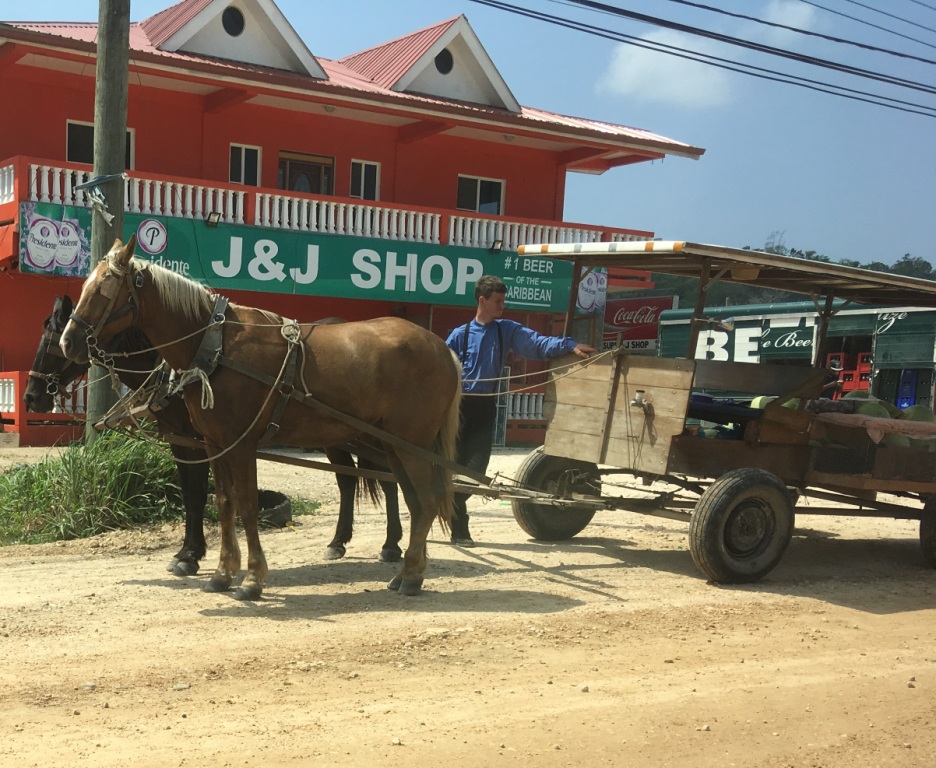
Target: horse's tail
x,y
445,446
369,488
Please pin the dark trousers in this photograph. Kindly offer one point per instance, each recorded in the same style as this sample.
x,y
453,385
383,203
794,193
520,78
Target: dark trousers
x,y
477,416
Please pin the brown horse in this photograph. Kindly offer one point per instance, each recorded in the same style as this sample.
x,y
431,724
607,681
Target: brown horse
x,y
52,372
307,386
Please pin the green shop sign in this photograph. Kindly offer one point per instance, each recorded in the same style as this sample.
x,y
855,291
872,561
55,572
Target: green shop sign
x,y
55,239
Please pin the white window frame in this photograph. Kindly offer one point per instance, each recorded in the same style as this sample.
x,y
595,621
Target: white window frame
x,y
259,150
364,165
477,205
131,137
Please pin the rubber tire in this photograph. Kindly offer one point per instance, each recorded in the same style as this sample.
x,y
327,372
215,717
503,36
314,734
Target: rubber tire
x,y
545,522
754,507
928,532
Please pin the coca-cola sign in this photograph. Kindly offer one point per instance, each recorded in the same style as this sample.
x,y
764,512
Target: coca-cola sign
x,y
635,319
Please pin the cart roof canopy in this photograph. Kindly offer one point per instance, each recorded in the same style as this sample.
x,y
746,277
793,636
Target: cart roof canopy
x,y
737,265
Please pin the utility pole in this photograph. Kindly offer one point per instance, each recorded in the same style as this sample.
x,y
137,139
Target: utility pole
x,y
110,151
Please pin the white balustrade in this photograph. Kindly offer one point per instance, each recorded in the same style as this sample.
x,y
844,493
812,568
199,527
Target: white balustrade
x,y
7,395
475,232
525,406
7,177
156,197
342,218
148,197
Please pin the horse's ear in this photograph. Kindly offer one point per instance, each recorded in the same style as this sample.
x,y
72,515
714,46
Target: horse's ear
x,y
126,252
64,306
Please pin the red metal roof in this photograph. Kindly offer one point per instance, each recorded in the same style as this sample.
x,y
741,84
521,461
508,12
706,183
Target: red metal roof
x,y
369,73
165,24
385,64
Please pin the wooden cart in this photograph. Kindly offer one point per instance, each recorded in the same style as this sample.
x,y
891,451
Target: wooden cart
x,y
627,420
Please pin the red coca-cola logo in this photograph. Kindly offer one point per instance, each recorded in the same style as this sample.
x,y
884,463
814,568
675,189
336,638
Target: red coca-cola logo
x,y
639,316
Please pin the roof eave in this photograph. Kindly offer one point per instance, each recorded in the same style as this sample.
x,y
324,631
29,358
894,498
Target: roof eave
x,y
410,104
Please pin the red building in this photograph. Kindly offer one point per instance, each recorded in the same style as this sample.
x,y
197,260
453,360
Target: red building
x,y
382,182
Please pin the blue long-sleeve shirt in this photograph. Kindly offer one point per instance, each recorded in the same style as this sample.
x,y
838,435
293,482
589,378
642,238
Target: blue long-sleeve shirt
x,y
487,350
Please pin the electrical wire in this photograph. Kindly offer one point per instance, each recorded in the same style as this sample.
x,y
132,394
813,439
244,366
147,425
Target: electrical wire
x,y
868,23
925,5
807,32
750,45
891,15
734,66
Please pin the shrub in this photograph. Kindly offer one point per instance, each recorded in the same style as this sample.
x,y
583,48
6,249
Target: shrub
x,y
116,482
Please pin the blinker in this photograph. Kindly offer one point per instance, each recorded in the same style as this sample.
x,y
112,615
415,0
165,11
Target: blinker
x,y
109,286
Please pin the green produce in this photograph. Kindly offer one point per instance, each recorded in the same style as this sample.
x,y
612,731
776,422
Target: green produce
x,y
896,441
918,413
875,409
761,401
857,394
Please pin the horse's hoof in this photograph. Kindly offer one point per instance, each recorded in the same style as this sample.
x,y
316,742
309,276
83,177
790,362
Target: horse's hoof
x,y
248,593
410,587
334,553
170,566
388,555
184,568
217,585
395,583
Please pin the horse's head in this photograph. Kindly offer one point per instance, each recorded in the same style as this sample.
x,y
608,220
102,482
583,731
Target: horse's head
x,y
51,372
107,304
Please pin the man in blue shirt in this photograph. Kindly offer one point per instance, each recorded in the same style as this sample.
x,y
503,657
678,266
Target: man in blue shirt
x,y
482,345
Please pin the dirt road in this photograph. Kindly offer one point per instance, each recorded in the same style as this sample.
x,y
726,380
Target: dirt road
x,y
606,651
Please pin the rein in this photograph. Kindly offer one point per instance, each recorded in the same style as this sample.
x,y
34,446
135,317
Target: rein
x,y
54,385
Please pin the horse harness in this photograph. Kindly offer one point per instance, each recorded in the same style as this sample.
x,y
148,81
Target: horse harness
x,y
210,356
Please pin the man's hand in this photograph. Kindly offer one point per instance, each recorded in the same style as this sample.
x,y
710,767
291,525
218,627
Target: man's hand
x,y
584,350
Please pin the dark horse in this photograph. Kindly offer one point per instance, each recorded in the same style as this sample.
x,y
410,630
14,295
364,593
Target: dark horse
x,y
310,386
52,372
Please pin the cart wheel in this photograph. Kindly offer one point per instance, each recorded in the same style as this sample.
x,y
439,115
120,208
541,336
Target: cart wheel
x,y
741,526
557,475
928,532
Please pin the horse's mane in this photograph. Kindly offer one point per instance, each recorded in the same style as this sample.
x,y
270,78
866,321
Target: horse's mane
x,y
131,339
178,293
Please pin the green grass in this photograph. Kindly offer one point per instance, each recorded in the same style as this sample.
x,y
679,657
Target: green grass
x,y
117,482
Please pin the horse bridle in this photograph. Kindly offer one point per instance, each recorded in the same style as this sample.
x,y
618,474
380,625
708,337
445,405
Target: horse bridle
x,y
109,316
53,381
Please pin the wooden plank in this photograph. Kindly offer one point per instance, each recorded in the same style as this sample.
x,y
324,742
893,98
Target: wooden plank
x,y
595,369
578,393
592,419
588,420
866,482
573,445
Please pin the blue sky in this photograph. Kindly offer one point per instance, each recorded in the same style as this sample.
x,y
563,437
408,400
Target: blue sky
x,y
815,171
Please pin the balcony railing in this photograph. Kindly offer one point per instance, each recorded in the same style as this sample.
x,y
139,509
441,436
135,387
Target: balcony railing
x,y
25,179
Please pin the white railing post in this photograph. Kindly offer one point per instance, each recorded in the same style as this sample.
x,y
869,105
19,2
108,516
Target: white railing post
x,y
6,183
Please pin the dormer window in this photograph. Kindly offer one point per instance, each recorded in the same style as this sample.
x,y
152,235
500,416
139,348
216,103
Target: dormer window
x,y
233,21
444,61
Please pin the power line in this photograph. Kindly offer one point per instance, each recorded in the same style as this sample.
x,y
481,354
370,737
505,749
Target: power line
x,y
925,5
868,23
760,47
750,70
891,15
807,32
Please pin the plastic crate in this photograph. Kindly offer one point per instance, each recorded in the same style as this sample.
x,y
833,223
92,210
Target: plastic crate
x,y
840,361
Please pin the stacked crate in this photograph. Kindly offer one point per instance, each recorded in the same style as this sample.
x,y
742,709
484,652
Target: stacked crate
x,y
865,364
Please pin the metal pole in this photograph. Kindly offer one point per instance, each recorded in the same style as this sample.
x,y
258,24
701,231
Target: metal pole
x,y
110,150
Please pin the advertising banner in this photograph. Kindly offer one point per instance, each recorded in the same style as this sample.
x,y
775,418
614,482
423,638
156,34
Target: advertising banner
x,y
56,240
